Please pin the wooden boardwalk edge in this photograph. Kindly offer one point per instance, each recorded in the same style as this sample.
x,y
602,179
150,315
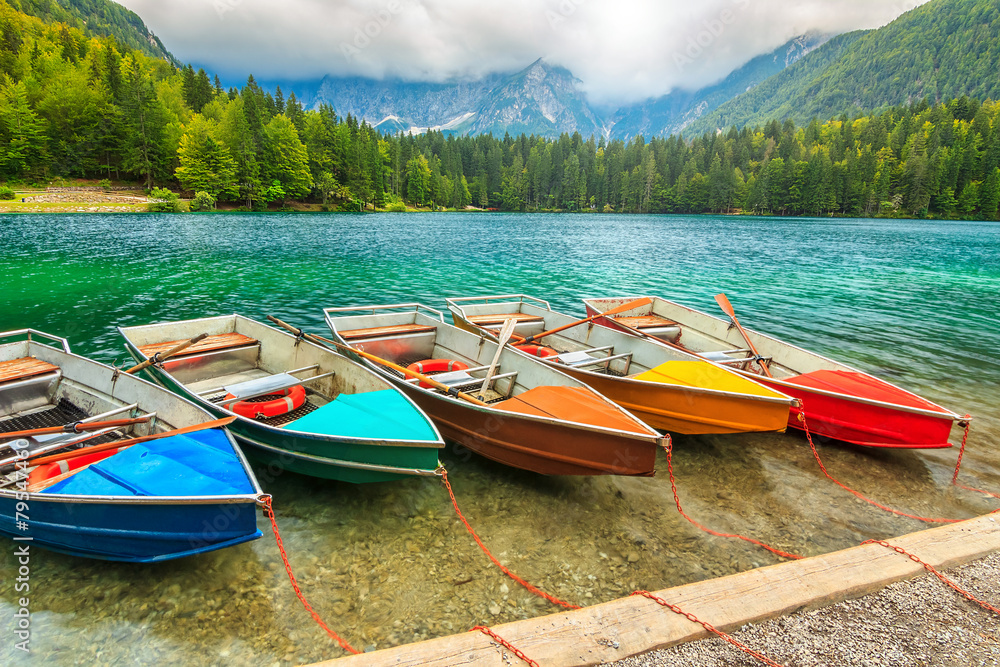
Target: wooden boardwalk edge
x,y
635,625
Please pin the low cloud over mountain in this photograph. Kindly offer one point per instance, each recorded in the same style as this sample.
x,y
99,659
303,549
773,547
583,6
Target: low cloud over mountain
x,y
623,51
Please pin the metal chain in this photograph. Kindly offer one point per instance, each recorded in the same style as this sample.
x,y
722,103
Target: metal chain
x,y
533,589
503,642
961,455
930,568
265,502
668,447
708,626
812,445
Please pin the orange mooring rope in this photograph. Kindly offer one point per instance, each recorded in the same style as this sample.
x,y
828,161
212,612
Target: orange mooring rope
x,y
930,568
812,445
668,447
265,501
533,589
708,626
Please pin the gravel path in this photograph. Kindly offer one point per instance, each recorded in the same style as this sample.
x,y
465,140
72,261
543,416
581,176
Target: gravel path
x,y
915,623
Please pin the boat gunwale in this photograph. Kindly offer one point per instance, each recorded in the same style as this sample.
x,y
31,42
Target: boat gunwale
x,y
652,436
786,400
232,499
340,463
437,443
944,412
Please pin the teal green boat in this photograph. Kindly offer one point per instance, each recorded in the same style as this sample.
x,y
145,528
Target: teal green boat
x,y
299,406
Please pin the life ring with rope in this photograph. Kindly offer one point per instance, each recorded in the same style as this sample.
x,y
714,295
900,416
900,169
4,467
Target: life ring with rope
x,y
288,400
436,366
537,350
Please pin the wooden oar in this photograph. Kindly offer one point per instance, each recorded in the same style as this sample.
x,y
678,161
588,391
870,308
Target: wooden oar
x,y
326,342
727,308
157,358
77,427
638,303
7,463
505,332
55,458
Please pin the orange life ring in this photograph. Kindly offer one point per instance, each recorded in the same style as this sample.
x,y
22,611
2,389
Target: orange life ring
x,y
436,366
537,350
288,400
50,470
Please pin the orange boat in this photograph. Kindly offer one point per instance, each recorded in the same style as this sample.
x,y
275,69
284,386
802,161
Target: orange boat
x,y
533,417
837,401
668,389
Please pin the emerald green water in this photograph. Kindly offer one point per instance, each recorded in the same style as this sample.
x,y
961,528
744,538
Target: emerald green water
x,y
914,302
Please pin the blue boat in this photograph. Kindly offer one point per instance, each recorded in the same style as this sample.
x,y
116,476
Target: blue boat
x,y
156,488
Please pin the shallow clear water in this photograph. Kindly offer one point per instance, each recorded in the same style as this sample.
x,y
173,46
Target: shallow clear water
x,y
914,302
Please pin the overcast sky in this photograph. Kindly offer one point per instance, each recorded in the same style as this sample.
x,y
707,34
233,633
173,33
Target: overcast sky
x,y
622,50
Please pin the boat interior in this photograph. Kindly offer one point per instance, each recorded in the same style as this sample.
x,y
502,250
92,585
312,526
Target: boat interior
x,y
581,347
697,333
413,335
244,361
416,336
35,394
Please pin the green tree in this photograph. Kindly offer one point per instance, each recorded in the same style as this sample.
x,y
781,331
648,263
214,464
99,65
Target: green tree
x,y
418,180
206,164
22,133
236,134
145,150
286,158
968,199
989,196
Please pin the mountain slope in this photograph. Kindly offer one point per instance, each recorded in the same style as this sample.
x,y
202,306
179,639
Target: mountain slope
x,y
98,18
672,113
407,104
940,50
541,100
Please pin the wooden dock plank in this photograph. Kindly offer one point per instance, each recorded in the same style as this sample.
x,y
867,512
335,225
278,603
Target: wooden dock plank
x,y
210,344
636,625
20,369
376,332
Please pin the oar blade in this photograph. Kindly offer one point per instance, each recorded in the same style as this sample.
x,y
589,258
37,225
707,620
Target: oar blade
x,y
632,305
727,307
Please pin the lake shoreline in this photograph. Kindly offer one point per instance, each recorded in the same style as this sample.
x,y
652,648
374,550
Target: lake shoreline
x,y
135,201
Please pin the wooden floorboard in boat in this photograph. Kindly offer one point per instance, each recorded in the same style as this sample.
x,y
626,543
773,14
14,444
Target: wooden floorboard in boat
x,y
210,344
645,322
19,369
395,330
500,318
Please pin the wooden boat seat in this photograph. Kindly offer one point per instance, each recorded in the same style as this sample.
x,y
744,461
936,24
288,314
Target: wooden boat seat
x,y
646,322
499,318
210,344
379,332
20,369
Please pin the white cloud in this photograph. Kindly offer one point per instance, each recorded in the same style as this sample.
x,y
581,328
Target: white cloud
x,y
623,50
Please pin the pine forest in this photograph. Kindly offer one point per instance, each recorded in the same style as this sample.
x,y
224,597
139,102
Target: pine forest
x,y
78,106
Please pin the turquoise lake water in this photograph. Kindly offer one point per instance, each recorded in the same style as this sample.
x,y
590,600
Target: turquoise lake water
x,y
912,301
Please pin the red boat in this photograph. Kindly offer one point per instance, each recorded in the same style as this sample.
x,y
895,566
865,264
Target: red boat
x,y
835,400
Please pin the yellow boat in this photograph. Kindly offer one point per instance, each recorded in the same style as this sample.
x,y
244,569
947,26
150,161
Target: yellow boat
x,y
666,388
